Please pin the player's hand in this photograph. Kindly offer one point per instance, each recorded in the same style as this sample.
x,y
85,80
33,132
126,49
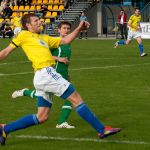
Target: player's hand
x,y
84,25
63,60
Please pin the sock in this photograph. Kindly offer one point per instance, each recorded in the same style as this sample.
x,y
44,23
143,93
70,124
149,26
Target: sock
x,y
88,116
22,123
86,34
141,48
65,113
29,93
121,42
81,34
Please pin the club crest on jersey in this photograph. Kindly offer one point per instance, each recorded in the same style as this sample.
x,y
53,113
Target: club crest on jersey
x,y
43,43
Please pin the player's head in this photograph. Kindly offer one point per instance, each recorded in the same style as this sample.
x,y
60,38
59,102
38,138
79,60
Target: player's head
x,y
64,28
82,14
31,23
121,11
137,11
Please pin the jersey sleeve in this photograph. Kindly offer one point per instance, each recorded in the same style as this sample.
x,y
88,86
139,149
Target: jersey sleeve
x,y
54,42
17,41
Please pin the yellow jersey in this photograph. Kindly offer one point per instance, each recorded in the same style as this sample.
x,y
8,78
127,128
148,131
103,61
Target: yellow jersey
x,y
134,21
36,47
17,22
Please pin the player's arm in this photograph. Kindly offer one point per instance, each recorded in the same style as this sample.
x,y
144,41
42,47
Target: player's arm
x,y
5,52
70,37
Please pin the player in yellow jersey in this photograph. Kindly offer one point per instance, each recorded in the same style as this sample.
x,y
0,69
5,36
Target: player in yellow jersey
x,y
46,80
17,23
134,32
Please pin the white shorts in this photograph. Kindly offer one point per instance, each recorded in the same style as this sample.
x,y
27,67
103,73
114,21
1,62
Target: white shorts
x,y
17,30
133,34
48,82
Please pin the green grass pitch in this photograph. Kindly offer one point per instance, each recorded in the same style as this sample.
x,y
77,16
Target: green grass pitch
x,y
114,83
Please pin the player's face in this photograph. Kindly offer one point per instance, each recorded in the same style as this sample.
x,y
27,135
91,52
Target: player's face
x,y
34,25
137,12
64,30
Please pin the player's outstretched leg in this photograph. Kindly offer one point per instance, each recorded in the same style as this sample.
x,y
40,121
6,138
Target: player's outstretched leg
x,y
65,113
86,114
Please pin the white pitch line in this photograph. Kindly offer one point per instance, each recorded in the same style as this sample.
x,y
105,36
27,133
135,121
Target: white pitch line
x,y
82,139
15,62
88,68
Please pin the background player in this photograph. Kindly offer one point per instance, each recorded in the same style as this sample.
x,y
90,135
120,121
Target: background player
x,y
134,32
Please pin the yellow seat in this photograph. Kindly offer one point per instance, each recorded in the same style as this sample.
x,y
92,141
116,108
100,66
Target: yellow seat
x,y
61,7
25,13
8,20
55,7
51,1
14,14
33,1
27,7
50,7
38,7
39,1
45,1
56,2
21,7
12,20
54,14
48,15
1,20
21,14
15,8
60,1
47,20
32,8
42,20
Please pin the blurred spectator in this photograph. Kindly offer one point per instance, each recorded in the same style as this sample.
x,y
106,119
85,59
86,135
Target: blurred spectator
x,y
7,12
122,23
7,31
13,2
4,4
83,18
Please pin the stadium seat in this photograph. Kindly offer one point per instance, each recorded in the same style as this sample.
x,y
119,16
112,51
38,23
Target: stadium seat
x,y
33,1
21,7
48,15
51,1
1,20
32,8
15,8
21,14
25,13
60,1
55,7
27,8
47,20
50,7
45,1
54,14
61,7
56,2
42,19
38,7
14,14
39,1
8,20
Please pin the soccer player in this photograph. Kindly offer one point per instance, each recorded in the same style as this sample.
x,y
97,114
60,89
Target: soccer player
x,y
62,56
17,23
134,32
46,80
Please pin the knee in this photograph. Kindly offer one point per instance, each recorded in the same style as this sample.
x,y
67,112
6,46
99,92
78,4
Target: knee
x,y
42,117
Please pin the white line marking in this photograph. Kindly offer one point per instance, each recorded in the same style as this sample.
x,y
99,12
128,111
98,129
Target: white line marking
x,y
82,139
15,62
88,68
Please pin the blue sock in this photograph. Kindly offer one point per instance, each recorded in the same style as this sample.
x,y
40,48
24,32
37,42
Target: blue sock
x,y
88,116
22,123
141,48
122,42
